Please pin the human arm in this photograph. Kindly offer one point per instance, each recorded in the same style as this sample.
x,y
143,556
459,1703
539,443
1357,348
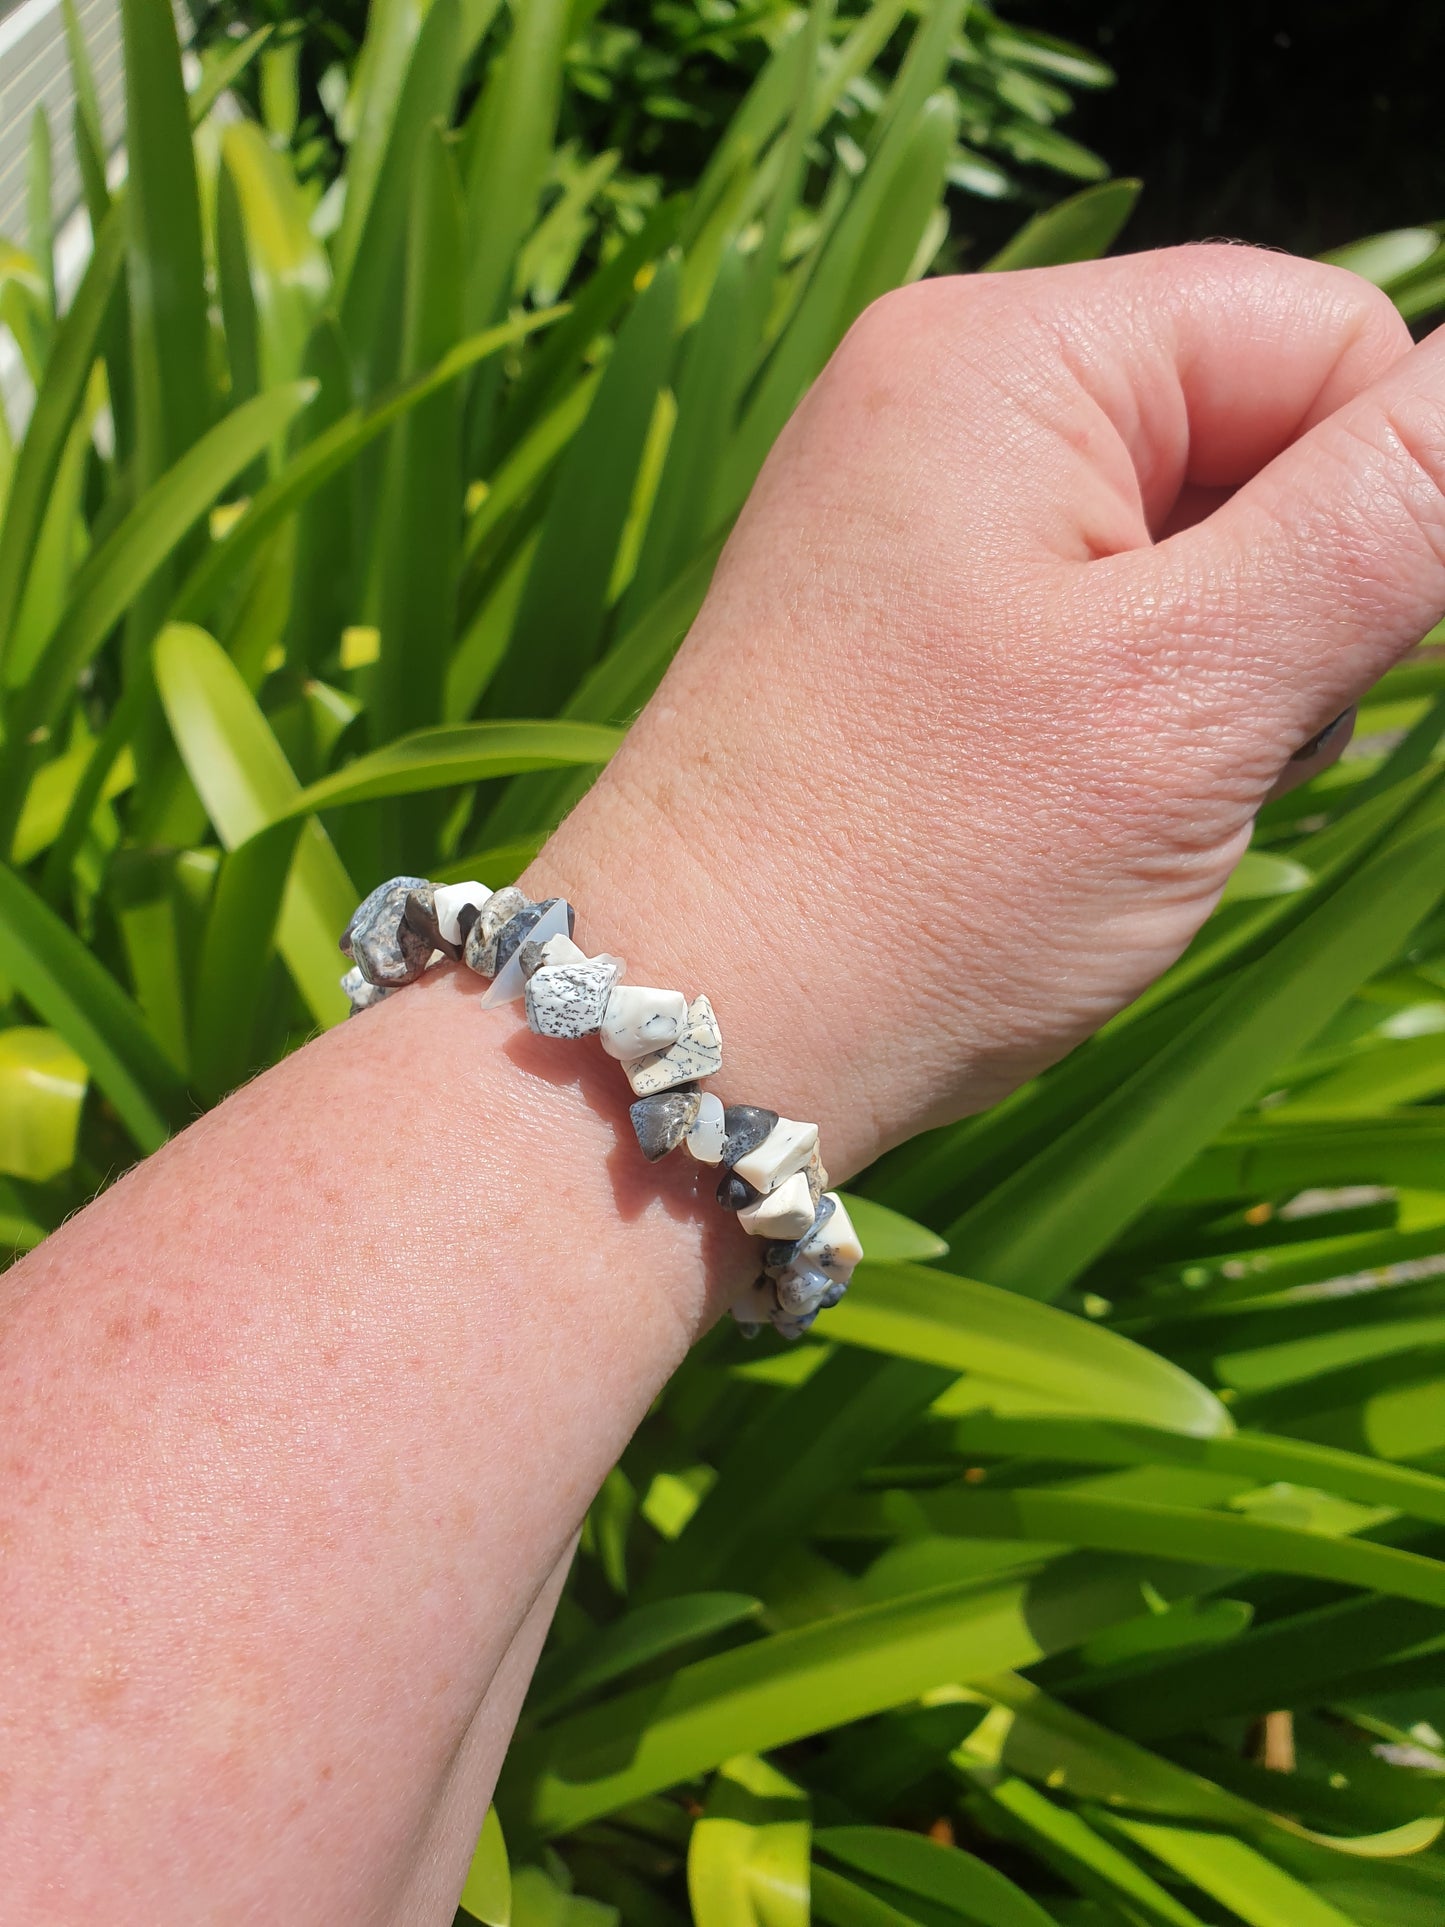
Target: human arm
x,y
305,1411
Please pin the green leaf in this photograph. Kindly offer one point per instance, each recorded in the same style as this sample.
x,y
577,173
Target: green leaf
x,y
67,986
223,69
1236,1875
635,1640
435,759
42,1087
487,1896
1079,229
1386,258
1085,1858
322,458
510,143
246,784
167,276
1049,1359
1252,1455
119,568
747,1862
559,625
409,80
290,278
1185,1533
933,1872
888,1237
49,797
418,525
1040,1227
792,1684
61,394
777,1471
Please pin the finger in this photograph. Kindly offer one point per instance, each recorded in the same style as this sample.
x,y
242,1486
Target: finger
x,y
1283,606
1083,406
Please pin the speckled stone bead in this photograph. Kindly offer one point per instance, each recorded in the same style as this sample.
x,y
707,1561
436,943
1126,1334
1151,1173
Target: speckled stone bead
x,y
745,1126
782,1213
794,1328
458,905
540,922
378,940
802,1288
641,1021
817,1176
782,1153
733,1193
697,1053
834,1245
567,1000
705,1139
478,952
664,1120
778,1257
361,994
420,918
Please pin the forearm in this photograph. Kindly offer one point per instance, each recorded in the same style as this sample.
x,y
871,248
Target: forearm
x,y
302,1415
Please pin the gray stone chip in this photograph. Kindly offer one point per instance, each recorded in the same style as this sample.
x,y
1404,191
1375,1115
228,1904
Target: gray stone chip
x,y
745,1126
664,1120
379,941
479,952
779,1256
361,994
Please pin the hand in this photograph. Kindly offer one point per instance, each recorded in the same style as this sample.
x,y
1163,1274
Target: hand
x,y
1038,594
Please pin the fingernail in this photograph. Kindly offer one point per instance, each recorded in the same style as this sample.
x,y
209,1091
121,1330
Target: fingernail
x,y
1323,737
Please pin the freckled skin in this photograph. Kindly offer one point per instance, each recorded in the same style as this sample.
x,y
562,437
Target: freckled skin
x,y
1037,595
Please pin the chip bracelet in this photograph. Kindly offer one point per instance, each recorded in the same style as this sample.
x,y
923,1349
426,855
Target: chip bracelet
x,y
771,1174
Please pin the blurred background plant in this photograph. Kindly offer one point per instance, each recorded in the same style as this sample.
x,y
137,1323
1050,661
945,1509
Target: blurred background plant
x,y
649,85
1086,1567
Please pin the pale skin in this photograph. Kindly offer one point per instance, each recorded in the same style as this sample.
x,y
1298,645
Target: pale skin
x,y
1037,595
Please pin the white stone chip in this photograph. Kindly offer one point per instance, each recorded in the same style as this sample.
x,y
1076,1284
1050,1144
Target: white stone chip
x,y
696,1054
784,1213
640,1021
835,1246
562,950
510,983
451,900
567,1000
705,1139
786,1149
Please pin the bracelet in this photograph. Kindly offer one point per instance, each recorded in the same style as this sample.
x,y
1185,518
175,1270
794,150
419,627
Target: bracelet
x,y
772,1175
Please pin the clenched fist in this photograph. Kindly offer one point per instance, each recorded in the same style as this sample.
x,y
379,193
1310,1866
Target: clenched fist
x,y
1040,592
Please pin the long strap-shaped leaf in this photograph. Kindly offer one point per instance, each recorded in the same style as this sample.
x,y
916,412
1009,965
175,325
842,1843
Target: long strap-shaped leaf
x,y
49,966
242,776
822,1676
433,759
1256,1455
1185,1533
1044,1224
319,460
911,1311
60,396
115,572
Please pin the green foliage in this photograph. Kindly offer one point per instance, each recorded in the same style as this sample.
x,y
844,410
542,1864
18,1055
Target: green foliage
x,y
650,86
327,539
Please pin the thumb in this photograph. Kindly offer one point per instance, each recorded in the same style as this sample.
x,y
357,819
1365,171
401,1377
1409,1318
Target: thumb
x,y
1282,607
